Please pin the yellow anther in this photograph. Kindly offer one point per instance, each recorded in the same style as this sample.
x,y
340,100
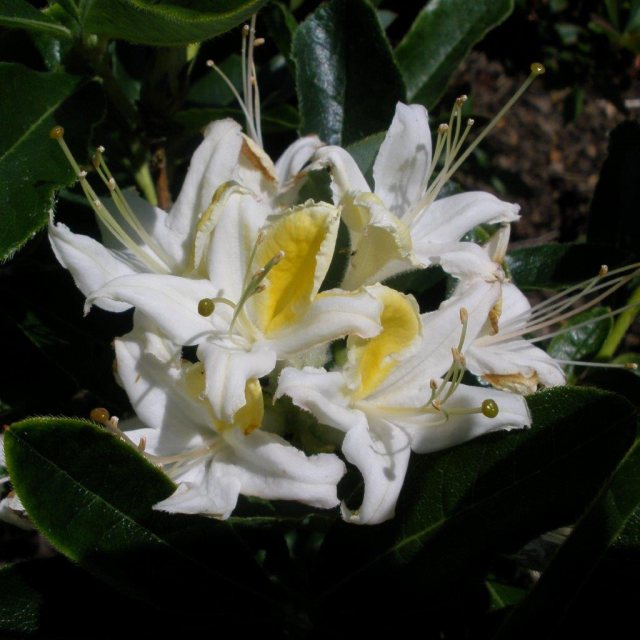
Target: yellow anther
x,y
604,269
56,133
258,41
210,63
464,315
99,415
437,405
470,122
537,69
433,384
489,408
443,128
246,29
631,365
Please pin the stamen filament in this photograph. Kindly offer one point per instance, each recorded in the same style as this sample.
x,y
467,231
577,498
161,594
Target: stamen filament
x,y
57,133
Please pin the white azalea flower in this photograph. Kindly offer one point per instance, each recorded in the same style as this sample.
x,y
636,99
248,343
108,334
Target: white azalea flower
x,y
402,225
504,352
213,462
263,278
140,238
399,392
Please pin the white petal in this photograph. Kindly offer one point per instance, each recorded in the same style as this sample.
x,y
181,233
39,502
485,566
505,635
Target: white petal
x,y
345,175
90,263
269,467
450,218
380,242
382,456
332,315
515,357
162,396
464,260
204,492
403,162
233,241
212,164
227,373
171,302
167,245
321,393
408,384
429,433
294,158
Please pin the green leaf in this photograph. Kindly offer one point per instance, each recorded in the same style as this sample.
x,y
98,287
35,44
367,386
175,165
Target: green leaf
x,y
613,218
282,26
462,506
348,82
584,341
364,152
166,22
91,495
439,40
19,14
554,266
32,166
593,536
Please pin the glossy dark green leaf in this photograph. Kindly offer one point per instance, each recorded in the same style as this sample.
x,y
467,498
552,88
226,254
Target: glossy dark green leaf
x,y
32,166
92,496
281,25
583,341
554,266
348,82
460,507
593,536
614,218
19,14
166,22
439,40
364,152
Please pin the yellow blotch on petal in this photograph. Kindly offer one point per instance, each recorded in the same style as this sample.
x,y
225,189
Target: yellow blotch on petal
x,y
249,418
377,357
307,238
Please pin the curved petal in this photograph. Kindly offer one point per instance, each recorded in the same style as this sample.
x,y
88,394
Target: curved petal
x,y
267,466
346,177
515,364
432,431
227,372
302,242
464,260
321,393
164,395
170,301
449,219
382,456
332,315
295,156
91,264
255,171
212,164
203,490
401,167
382,248
166,244
239,218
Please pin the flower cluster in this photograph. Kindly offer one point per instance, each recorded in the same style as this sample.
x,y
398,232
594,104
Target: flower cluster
x,y
236,269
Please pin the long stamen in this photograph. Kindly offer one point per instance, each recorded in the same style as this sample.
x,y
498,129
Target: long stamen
x,y
248,116
255,285
584,323
548,321
453,143
124,208
57,134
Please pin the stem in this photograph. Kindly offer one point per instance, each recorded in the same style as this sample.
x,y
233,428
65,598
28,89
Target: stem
x,y
620,327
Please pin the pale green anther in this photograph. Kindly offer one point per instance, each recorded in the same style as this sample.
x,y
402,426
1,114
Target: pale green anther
x,y
489,408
